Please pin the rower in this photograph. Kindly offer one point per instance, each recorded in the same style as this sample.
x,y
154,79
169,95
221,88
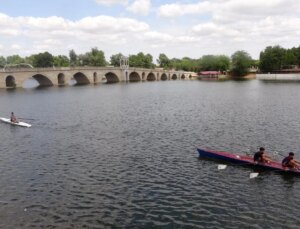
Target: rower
x,y
13,118
290,162
260,156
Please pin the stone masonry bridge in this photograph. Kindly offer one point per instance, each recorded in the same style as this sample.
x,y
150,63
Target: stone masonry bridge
x,y
11,78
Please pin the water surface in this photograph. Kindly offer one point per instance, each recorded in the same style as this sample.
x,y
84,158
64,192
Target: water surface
x,y
124,156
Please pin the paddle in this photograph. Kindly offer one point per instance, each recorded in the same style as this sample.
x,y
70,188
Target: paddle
x,y
253,175
221,167
27,118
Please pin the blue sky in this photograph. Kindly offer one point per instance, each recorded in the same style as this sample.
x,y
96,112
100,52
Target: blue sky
x,y
190,28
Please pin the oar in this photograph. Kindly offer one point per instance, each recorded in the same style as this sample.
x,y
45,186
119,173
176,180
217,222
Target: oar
x,y
221,167
27,118
252,175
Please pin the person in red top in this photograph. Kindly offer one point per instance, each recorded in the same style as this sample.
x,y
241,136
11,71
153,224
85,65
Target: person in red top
x,y
290,162
13,118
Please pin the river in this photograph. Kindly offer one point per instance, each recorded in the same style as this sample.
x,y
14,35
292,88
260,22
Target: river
x,y
124,155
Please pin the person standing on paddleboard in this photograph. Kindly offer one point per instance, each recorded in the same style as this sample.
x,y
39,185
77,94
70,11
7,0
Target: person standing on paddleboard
x,y
290,162
13,118
261,156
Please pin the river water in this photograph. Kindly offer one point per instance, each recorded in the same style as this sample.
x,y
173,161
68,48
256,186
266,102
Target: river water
x,y
124,156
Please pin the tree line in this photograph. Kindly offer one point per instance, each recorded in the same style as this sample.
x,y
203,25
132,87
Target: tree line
x,y
271,59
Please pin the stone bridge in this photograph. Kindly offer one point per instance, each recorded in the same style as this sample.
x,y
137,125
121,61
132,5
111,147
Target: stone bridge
x,y
11,78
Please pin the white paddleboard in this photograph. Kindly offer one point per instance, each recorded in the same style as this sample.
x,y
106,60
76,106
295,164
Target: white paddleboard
x,y
7,120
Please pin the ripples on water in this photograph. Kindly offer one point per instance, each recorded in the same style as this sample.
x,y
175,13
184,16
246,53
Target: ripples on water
x,y
124,156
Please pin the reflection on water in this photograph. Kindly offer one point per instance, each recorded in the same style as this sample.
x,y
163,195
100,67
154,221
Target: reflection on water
x,y
30,83
124,156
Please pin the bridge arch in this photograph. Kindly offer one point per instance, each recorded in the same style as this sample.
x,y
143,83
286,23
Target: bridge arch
x,y
111,77
190,76
151,77
174,77
183,76
10,81
61,79
44,81
81,79
164,76
134,77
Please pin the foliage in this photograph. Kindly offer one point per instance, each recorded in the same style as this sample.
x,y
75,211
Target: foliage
x,y
271,58
276,58
43,60
141,60
2,61
215,63
61,61
164,61
93,58
241,62
14,59
73,58
115,59
29,59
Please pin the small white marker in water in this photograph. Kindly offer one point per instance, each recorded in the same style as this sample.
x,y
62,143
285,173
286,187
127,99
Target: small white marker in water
x,y
25,209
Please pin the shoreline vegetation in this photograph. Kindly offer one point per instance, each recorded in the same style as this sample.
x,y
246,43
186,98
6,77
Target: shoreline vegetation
x,y
273,59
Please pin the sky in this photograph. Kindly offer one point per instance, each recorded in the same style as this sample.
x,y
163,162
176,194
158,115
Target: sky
x,y
183,28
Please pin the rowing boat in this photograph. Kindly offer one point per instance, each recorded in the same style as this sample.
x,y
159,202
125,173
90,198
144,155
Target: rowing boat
x,y
245,160
7,120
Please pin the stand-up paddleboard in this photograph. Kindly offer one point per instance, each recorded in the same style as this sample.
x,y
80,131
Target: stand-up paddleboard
x,y
7,120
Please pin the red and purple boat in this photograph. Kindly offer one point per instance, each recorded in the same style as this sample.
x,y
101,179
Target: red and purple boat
x,y
246,160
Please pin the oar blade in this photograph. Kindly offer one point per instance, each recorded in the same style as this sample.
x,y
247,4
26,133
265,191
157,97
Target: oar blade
x,y
253,175
221,167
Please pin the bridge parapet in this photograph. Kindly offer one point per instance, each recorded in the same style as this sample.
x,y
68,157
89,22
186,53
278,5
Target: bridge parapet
x,y
86,75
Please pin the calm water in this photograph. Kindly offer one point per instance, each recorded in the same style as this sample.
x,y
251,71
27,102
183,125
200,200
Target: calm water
x,y
124,156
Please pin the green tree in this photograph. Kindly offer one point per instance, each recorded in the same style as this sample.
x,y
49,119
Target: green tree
x,y
223,63
83,60
2,61
96,57
93,58
29,59
289,59
241,62
43,60
215,63
208,63
73,58
61,61
164,61
14,59
141,60
115,59
271,59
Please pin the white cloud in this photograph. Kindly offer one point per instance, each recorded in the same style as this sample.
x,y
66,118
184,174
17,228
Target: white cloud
x,y
55,34
111,2
141,7
107,24
233,8
16,47
177,9
194,29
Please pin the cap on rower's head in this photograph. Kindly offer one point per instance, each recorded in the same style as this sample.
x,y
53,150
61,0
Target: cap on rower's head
x,y
291,154
12,112
261,149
